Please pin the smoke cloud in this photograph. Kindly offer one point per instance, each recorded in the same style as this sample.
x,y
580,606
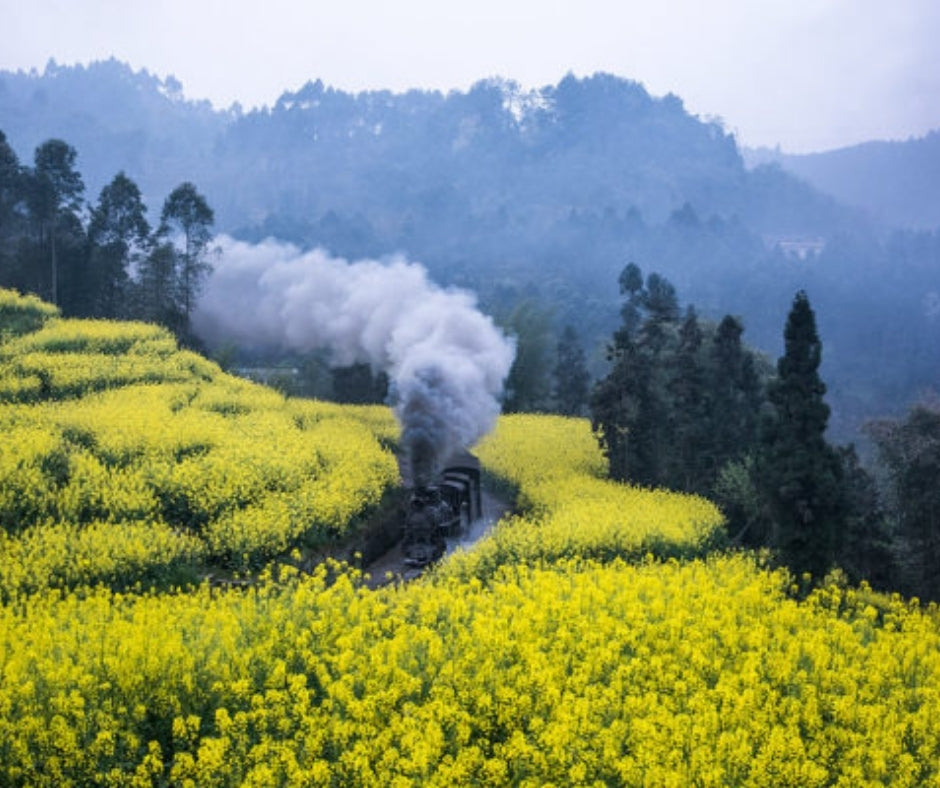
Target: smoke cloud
x,y
446,361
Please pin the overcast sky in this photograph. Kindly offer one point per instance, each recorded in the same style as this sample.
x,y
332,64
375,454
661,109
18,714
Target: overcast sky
x,y
807,74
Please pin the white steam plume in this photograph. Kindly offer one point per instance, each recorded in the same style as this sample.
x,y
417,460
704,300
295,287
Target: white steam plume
x,y
446,361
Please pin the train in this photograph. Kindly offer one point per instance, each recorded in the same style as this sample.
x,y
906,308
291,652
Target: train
x,y
441,510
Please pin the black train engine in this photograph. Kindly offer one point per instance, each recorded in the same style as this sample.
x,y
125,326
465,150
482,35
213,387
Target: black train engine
x,y
441,510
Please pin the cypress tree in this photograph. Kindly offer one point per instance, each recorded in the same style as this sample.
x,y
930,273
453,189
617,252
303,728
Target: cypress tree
x,y
800,473
623,403
736,393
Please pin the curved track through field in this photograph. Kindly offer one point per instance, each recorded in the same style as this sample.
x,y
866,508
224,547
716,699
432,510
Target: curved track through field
x,y
391,568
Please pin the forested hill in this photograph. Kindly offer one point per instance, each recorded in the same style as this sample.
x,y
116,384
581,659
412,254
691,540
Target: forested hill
x,y
514,193
116,118
400,162
898,182
531,198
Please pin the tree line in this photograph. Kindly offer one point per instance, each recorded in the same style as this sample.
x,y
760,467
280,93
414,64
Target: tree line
x,y
689,406
100,260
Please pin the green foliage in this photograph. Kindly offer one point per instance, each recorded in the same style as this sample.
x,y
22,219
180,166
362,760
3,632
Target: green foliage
x,y
681,399
11,214
800,473
910,450
57,185
692,447
118,235
114,267
54,190
527,386
866,548
740,500
572,380
187,216
620,412
158,290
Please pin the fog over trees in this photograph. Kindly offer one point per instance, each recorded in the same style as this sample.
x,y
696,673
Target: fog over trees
x,y
896,182
527,197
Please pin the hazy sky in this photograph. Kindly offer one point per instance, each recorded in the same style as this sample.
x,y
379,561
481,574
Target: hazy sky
x,y
807,74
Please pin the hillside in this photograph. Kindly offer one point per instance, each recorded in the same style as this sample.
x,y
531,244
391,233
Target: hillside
x,y
526,198
396,162
597,638
118,118
896,182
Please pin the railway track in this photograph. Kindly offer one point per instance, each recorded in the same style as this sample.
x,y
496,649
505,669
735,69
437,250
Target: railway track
x,y
391,568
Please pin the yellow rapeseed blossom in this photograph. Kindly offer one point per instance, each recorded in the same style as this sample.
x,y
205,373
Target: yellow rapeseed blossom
x,y
570,511
676,673
592,640
22,314
109,428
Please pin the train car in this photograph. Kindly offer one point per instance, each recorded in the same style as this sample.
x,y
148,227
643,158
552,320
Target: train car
x,y
442,510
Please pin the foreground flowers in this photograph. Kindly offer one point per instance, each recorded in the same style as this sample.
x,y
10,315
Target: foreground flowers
x,y
653,674
596,638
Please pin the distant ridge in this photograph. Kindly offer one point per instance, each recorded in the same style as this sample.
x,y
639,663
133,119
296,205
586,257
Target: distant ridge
x,y
584,144
898,182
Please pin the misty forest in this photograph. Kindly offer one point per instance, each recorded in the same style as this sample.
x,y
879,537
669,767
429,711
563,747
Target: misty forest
x,y
701,379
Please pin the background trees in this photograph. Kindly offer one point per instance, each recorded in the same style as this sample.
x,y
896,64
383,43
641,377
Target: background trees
x,y
54,190
681,399
545,193
572,380
528,386
11,207
104,261
687,405
910,451
158,291
118,238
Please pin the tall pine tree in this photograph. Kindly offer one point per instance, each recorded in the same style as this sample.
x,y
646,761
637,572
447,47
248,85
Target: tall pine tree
x,y
691,438
736,394
800,472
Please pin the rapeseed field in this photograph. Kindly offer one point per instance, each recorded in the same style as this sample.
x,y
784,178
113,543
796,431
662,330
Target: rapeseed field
x,y
598,637
125,458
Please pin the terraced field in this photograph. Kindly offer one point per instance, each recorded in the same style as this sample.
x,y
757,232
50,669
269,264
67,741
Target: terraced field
x,y
602,636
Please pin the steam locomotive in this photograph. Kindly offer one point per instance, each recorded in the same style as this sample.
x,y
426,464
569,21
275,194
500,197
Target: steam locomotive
x,y
442,510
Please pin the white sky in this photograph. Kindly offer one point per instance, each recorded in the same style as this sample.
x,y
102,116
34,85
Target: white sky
x,y
807,74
